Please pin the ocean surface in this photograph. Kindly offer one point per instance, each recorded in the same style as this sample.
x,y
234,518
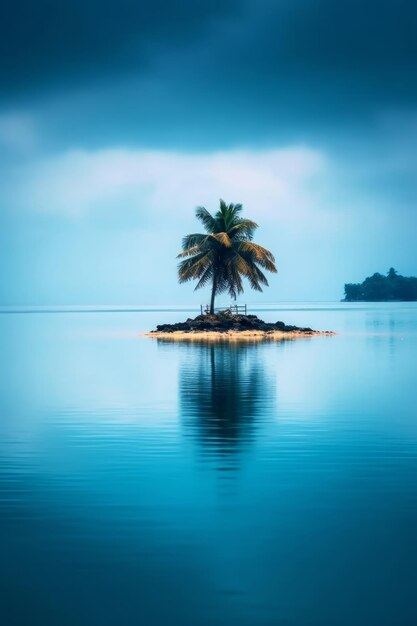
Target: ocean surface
x,y
153,483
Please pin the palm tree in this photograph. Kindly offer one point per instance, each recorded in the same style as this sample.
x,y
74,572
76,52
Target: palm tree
x,y
225,254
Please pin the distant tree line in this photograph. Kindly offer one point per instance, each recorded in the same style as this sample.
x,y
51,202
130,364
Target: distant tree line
x,y
380,288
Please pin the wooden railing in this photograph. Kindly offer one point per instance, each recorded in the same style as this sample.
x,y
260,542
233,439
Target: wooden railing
x,y
234,309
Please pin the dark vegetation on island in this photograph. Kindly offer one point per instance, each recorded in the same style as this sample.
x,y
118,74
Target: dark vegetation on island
x,y
380,288
228,321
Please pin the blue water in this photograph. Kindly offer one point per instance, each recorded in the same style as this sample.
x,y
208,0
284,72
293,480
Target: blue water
x,y
152,483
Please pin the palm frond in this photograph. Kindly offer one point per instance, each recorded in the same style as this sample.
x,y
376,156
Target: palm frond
x,y
195,239
239,262
222,238
223,206
194,267
258,254
234,281
227,215
189,252
243,229
205,278
206,218
247,268
261,276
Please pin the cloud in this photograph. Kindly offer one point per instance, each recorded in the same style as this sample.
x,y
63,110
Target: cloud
x,y
376,36
18,133
314,54
84,226
43,42
281,183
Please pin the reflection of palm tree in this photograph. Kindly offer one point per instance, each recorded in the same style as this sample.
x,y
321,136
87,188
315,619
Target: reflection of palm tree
x,y
223,391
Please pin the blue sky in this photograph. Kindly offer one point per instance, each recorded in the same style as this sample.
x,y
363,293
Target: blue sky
x,y
116,121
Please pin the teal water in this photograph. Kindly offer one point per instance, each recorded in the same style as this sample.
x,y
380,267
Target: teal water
x,y
153,483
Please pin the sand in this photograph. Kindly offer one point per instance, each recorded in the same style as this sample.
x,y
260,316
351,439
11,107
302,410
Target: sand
x,y
236,335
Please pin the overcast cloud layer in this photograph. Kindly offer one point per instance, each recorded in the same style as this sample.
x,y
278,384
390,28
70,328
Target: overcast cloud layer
x,y
117,120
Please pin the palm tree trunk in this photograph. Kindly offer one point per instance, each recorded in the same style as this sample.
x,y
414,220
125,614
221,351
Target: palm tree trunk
x,y
213,295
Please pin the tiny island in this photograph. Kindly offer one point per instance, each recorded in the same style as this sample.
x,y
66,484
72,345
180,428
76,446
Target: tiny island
x,y
222,258
379,288
227,325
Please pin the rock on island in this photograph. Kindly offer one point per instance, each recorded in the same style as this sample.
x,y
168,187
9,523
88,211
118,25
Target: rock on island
x,y
227,326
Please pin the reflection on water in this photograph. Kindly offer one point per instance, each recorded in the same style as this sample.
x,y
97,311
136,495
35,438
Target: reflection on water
x,y
115,509
224,393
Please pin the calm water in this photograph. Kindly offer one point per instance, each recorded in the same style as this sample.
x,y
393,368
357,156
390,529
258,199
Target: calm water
x,y
146,483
